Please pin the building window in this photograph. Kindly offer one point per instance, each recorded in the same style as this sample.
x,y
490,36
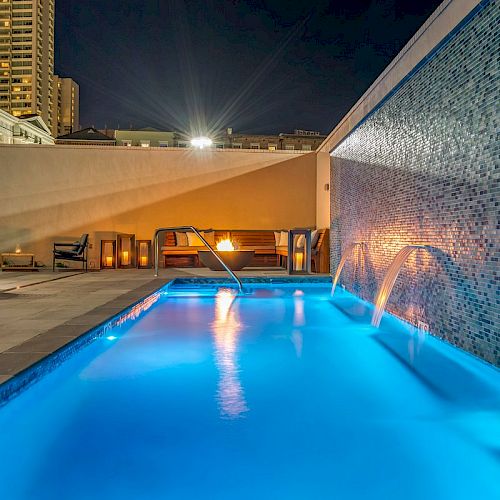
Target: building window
x,y
237,145
182,144
145,144
163,144
306,147
127,143
272,147
254,145
289,147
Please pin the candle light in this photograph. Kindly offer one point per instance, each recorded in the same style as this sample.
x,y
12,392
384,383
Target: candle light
x,y
299,261
144,261
109,261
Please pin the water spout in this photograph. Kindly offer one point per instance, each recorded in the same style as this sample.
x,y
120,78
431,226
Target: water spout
x,y
389,280
348,251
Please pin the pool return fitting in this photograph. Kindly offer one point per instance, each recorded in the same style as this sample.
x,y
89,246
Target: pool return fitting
x,y
389,280
348,251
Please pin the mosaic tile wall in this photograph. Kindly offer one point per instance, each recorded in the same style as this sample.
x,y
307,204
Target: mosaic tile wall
x,y
424,169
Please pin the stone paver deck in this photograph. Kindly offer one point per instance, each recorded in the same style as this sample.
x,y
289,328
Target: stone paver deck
x,y
41,312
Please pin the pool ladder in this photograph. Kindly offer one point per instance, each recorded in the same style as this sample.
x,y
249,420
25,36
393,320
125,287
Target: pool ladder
x,y
204,241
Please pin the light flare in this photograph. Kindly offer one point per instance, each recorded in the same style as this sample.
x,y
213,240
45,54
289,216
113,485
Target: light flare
x,y
201,142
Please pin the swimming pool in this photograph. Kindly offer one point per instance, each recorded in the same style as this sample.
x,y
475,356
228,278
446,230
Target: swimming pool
x,y
200,393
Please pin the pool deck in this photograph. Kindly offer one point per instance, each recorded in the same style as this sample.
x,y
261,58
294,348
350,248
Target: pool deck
x,y
41,312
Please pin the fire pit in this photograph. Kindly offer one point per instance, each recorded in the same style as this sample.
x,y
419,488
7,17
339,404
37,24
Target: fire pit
x,y
234,259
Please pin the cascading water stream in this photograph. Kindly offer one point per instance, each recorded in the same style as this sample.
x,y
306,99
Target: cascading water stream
x,y
389,280
348,251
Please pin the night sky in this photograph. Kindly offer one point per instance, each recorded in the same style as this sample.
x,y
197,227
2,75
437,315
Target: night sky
x,y
200,65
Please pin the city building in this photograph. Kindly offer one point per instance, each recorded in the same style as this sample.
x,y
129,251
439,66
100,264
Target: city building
x,y
27,58
86,137
146,137
66,106
26,129
300,140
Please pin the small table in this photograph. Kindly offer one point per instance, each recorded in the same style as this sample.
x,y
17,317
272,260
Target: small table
x,y
29,266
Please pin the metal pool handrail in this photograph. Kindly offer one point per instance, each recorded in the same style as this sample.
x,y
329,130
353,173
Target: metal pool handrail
x,y
204,241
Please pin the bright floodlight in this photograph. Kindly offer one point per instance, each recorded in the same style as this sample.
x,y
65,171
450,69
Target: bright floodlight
x,y
201,142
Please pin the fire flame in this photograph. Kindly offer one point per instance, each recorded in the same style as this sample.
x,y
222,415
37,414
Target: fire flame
x,y
225,246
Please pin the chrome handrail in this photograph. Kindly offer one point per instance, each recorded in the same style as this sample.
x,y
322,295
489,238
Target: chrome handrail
x,y
204,241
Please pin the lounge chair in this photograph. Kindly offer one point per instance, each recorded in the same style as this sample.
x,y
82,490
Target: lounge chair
x,y
72,251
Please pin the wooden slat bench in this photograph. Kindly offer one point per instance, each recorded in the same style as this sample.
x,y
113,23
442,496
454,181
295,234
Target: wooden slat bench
x,y
262,242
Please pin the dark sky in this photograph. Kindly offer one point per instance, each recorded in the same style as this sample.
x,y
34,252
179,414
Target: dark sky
x,y
254,65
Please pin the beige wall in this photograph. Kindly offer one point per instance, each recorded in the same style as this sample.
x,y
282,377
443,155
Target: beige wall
x,y
51,193
322,191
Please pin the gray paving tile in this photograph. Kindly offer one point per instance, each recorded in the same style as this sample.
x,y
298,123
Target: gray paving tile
x,y
43,343
12,363
65,330
90,319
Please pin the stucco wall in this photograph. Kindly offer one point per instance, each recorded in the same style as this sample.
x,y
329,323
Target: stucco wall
x,y
51,193
323,190
423,169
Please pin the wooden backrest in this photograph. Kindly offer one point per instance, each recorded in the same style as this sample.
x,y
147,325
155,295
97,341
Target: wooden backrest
x,y
242,238
221,235
170,239
257,238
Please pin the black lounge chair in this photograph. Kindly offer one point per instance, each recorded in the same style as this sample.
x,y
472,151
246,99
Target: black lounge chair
x,y
72,251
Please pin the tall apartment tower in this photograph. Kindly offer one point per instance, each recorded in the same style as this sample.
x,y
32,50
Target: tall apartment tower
x,y
27,57
66,110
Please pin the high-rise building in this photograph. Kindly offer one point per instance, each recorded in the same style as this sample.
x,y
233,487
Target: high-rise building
x,y
66,110
27,57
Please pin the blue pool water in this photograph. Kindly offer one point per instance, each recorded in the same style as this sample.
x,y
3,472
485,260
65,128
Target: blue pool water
x,y
277,394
